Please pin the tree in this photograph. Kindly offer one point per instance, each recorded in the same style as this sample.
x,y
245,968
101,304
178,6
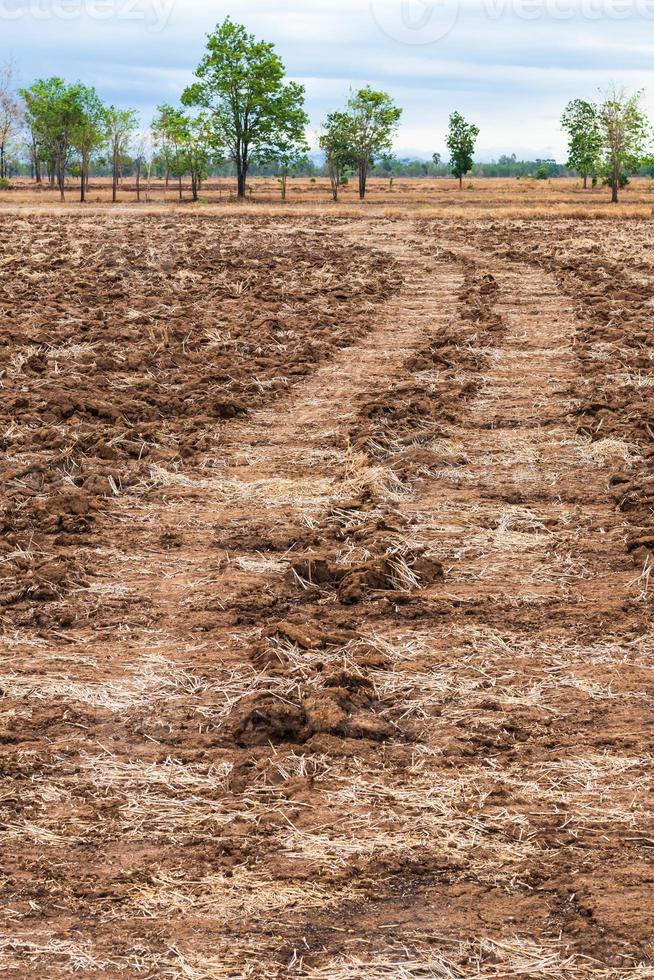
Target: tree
x,y
461,139
34,149
289,158
161,138
197,151
580,121
10,114
170,129
187,143
142,157
335,141
251,108
88,132
120,127
625,132
370,128
53,112
288,149
286,154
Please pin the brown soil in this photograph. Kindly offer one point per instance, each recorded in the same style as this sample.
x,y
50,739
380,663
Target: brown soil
x,y
325,597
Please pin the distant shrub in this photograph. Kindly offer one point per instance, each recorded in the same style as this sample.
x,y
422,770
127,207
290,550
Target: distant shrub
x,y
623,181
5,184
543,172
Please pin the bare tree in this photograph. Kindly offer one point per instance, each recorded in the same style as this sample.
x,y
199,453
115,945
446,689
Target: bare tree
x,y
34,151
143,157
10,113
120,127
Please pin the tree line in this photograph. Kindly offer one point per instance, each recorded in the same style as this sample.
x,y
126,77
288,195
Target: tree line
x,y
242,112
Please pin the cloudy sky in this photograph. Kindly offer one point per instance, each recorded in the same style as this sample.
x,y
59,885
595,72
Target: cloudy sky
x,y
509,65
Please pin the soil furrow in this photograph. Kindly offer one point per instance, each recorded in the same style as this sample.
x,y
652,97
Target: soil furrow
x,y
355,683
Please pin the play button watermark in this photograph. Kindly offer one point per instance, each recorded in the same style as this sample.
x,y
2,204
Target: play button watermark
x,y
415,21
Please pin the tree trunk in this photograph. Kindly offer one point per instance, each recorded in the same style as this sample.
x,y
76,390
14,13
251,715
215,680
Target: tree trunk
x,y
82,182
241,176
114,179
138,182
194,185
585,182
3,172
283,179
36,162
62,180
362,181
334,175
460,182
615,183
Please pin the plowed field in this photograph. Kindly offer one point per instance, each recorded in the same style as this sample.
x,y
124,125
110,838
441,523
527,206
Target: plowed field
x,y
325,600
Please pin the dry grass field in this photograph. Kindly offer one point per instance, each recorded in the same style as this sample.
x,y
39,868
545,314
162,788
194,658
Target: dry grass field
x,y
509,197
325,600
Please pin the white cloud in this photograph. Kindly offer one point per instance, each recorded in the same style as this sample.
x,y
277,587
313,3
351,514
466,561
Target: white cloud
x,y
508,64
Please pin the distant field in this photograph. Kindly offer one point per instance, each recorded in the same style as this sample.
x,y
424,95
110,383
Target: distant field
x,y
506,196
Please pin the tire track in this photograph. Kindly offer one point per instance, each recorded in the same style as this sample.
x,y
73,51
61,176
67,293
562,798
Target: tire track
x,y
430,777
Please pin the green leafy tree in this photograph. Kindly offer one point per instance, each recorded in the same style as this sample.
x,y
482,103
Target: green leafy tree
x,y
197,151
251,110
461,139
121,125
289,151
336,143
88,132
170,128
53,113
581,123
187,143
287,148
373,121
626,134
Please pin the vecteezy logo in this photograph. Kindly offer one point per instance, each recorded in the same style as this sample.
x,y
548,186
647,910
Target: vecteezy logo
x,y
415,21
